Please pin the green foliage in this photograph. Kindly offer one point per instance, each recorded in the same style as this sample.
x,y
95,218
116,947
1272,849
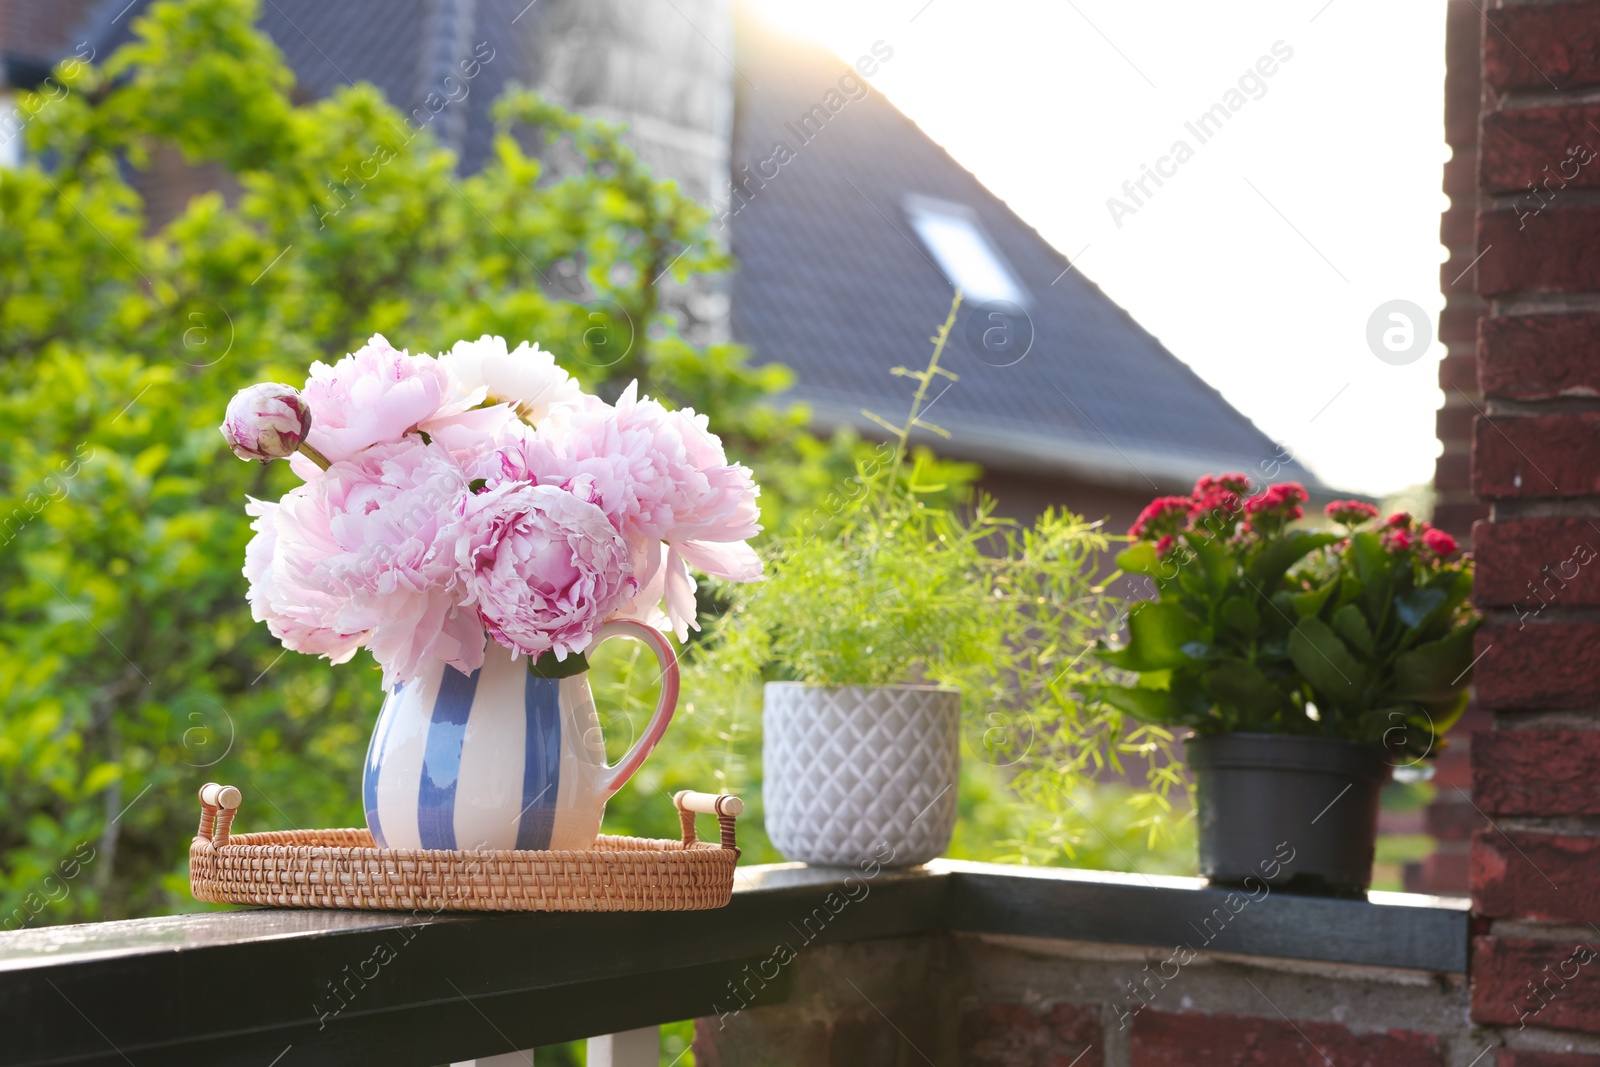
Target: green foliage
x,y
130,670
1384,639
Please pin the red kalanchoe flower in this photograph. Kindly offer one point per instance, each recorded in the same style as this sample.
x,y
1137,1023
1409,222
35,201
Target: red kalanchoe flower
x,y
1164,546
1400,520
1217,512
1440,543
1233,482
1397,540
1282,500
1163,515
1350,512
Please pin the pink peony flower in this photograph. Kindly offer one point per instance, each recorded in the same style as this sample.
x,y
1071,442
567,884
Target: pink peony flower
x,y
278,562
660,476
527,379
376,536
474,438
266,422
1163,515
375,395
667,600
544,566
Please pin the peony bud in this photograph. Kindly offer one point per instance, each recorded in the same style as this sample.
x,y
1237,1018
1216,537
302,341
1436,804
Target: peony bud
x,y
267,422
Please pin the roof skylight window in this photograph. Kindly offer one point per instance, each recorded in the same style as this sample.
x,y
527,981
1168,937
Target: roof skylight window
x,y
963,251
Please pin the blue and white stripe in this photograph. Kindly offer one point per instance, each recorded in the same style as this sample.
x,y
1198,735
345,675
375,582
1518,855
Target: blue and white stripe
x,y
473,761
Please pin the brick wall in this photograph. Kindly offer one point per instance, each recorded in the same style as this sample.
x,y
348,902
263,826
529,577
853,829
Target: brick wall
x,y
1535,871
984,1001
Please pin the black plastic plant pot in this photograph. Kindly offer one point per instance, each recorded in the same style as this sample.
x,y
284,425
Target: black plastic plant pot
x,y
1295,813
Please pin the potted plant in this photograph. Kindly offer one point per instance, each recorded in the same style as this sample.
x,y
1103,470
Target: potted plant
x,y
1308,664
882,616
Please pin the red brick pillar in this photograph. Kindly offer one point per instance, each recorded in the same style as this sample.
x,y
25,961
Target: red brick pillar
x,y
1536,458
1450,818
1455,507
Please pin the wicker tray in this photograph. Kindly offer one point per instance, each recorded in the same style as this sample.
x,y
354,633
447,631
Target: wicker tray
x,y
343,869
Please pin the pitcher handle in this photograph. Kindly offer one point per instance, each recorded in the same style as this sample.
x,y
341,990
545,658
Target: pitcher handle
x,y
665,705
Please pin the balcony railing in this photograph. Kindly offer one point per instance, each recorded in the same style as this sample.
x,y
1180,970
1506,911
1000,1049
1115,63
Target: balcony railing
x,y
281,988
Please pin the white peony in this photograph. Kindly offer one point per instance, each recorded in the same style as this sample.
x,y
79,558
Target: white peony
x,y
527,378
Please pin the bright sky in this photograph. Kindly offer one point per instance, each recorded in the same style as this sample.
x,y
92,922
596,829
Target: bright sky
x,y
1261,260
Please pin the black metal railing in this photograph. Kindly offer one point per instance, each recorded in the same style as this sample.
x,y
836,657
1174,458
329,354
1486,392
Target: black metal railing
x,y
347,988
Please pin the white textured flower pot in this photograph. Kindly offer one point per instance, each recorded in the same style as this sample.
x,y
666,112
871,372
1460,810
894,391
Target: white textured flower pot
x,y
856,774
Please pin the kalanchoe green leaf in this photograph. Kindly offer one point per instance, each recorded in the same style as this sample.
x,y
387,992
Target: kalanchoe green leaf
x,y
1310,603
1437,670
1269,567
1240,616
1139,558
1160,706
1417,607
1161,634
1213,561
1374,569
1446,713
1352,626
1242,685
1326,662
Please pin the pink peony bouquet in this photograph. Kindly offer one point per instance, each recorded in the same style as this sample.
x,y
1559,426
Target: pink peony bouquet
x,y
480,495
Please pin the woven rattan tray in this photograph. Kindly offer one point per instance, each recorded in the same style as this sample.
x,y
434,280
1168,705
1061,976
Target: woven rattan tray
x,y
343,869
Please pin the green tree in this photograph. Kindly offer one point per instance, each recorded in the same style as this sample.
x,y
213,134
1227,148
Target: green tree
x,y
130,669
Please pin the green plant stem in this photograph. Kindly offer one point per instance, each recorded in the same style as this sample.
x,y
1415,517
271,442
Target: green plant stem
x,y
926,376
314,456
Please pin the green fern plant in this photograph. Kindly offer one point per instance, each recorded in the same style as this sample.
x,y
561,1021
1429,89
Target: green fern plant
x,y
897,580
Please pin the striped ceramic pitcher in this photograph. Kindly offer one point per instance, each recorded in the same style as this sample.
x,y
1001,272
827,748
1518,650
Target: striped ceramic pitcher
x,y
501,758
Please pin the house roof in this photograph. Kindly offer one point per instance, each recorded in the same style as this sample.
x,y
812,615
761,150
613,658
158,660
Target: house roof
x,y
835,281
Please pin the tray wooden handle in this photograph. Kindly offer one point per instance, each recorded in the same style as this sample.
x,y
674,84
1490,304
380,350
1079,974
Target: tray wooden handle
x,y
724,806
218,805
